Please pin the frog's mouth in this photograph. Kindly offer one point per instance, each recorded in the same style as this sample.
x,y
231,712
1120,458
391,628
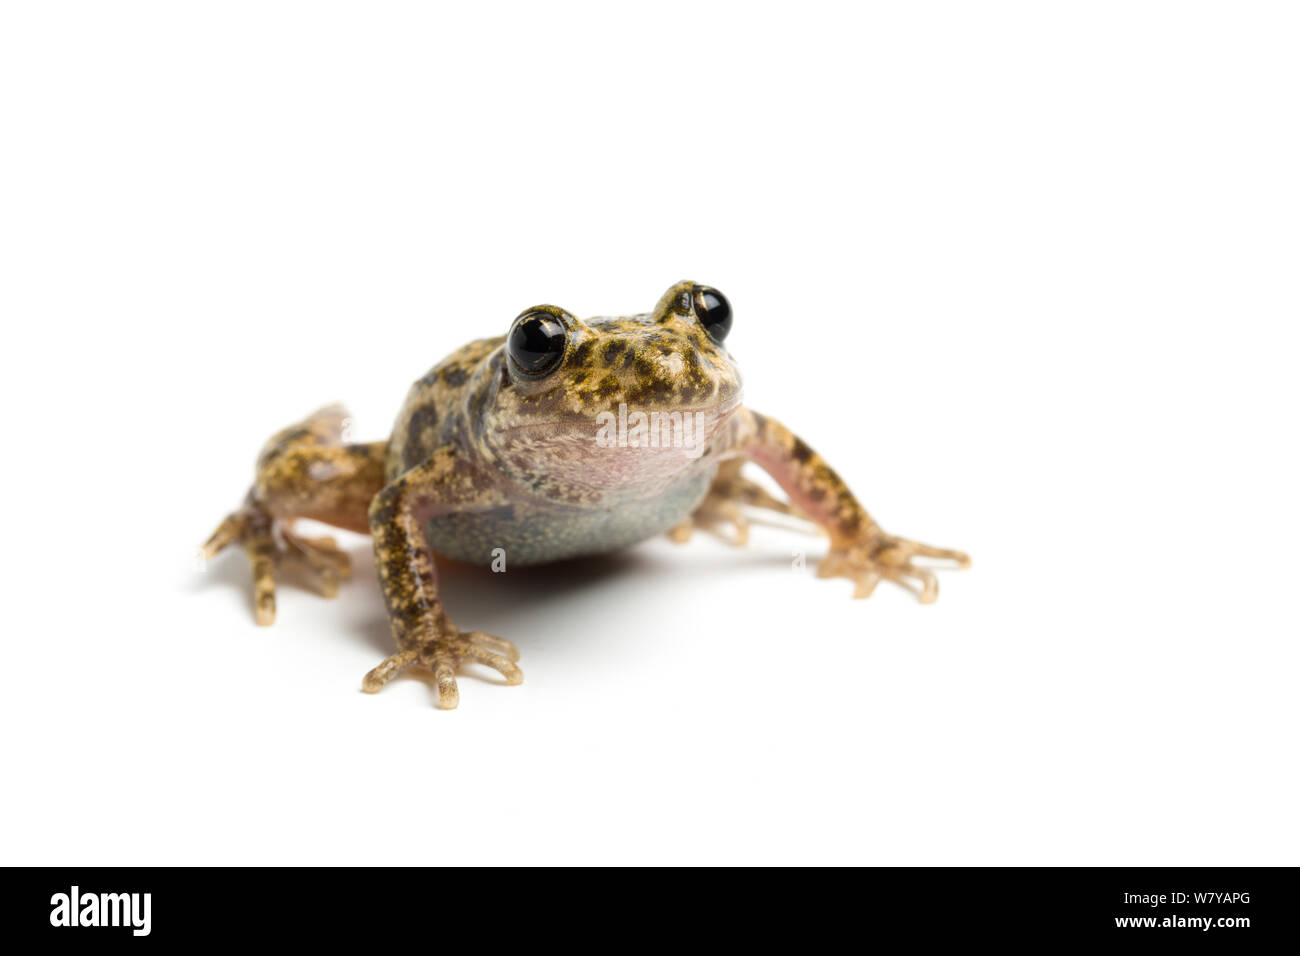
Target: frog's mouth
x,y
620,447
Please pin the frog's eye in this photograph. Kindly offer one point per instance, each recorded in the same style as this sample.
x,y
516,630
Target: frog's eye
x,y
713,312
536,342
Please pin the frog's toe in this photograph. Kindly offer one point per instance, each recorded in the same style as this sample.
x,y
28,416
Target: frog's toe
x,y
443,657
739,526
848,563
259,544
713,516
498,645
251,528
444,676
901,551
388,668
890,559
228,532
920,581
264,594
324,579
723,510
472,652
322,552
317,561
446,656
273,549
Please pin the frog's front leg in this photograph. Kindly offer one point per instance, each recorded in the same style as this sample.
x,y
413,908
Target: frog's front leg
x,y
860,549
424,633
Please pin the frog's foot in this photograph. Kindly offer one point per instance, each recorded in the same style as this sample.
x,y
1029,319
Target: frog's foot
x,y
724,504
888,557
712,515
443,656
272,548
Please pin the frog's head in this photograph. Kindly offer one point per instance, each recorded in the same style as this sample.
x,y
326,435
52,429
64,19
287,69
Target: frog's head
x,y
586,410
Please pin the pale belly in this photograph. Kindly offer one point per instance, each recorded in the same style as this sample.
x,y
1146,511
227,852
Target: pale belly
x,y
535,534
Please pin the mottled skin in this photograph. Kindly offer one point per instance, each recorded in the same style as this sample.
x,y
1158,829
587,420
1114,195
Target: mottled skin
x,y
486,457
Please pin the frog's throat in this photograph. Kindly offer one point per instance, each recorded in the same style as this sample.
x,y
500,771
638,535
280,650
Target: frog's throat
x,y
618,451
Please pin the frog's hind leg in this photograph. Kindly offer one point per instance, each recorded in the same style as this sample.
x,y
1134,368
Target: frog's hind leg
x,y
725,504
303,471
860,550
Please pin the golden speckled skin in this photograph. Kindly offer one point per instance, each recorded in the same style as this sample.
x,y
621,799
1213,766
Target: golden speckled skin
x,y
486,462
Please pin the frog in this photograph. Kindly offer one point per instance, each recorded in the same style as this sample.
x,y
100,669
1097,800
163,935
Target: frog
x,y
560,439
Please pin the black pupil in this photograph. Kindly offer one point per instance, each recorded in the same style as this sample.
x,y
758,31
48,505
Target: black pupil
x,y
714,312
537,343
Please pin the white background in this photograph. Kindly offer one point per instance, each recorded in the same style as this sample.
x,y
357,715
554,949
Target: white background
x,y
1025,273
